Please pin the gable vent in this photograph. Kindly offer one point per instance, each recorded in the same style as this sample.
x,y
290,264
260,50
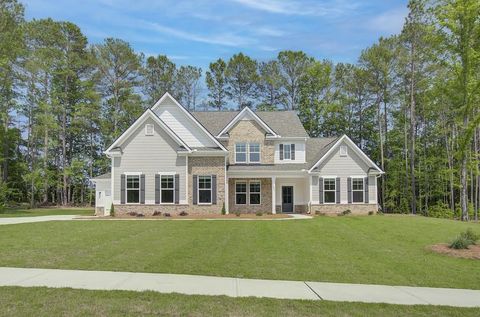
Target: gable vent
x,y
343,150
149,129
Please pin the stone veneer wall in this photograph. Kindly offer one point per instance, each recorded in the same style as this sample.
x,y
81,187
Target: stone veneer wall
x,y
298,209
357,209
265,196
196,166
249,131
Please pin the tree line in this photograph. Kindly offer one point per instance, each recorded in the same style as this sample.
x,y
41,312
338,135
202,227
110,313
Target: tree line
x,y
411,102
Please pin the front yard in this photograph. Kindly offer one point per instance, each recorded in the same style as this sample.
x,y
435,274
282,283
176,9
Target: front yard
x,y
45,212
68,302
370,249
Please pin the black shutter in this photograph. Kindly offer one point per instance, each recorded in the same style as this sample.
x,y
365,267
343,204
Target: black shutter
x,y
177,187
349,188
320,190
292,151
366,190
157,188
142,188
214,189
337,188
122,189
281,152
194,188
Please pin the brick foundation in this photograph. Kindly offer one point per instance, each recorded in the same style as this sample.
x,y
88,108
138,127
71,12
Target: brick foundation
x,y
148,210
357,209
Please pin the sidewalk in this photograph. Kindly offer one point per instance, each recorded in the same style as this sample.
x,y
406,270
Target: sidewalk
x,y
15,220
238,287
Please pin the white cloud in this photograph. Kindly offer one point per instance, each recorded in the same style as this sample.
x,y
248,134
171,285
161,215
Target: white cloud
x,y
293,7
389,22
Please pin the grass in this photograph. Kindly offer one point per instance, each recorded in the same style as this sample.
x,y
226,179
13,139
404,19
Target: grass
x,y
45,212
69,302
372,249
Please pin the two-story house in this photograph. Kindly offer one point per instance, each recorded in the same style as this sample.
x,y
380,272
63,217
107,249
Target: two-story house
x,y
172,160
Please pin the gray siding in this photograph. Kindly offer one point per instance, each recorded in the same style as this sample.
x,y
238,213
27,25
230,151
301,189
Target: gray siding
x,y
344,167
149,155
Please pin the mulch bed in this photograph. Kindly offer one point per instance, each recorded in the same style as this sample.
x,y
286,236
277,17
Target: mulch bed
x,y
473,251
193,217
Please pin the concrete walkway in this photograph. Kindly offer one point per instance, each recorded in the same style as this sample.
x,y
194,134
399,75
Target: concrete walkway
x,y
15,220
238,287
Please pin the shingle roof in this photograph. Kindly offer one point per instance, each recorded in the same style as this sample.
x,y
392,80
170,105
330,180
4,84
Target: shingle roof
x,y
103,176
285,123
317,148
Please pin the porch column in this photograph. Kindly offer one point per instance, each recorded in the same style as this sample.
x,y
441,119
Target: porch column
x,y
274,204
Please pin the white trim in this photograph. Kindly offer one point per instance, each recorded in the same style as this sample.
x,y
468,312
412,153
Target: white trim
x,y
139,187
132,173
363,189
246,192
226,191
354,147
259,152
334,191
186,180
173,189
167,95
343,153
249,192
198,190
112,187
274,195
148,133
136,124
255,116
235,153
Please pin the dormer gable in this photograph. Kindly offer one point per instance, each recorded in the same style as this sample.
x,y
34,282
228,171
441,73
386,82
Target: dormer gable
x,y
248,115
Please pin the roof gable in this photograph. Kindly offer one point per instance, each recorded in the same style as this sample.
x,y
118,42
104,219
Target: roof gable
x,y
327,150
147,114
184,124
247,114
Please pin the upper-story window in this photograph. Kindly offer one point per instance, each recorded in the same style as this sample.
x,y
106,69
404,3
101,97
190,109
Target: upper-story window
x,y
287,152
247,153
254,150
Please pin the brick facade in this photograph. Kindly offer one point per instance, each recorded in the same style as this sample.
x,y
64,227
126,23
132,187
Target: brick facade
x,y
358,209
265,196
249,131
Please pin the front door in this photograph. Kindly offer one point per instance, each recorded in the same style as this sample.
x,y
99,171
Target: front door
x,y
287,198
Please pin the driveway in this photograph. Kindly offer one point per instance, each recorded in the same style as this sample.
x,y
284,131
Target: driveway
x,y
15,220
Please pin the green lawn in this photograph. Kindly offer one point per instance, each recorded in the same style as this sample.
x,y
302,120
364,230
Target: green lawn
x,y
46,212
370,249
69,302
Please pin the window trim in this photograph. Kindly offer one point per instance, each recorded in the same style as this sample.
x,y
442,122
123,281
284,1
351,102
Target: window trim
x,y
259,192
363,189
173,189
334,191
146,129
289,151
137,174
259,152
198,190
246,192
246,152
343,147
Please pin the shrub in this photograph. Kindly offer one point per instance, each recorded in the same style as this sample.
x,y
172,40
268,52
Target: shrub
x,y
464,240
112,210
157,213
140,215
183,213
223,209
319,213
237,213
345,212
166,214
370,213
259,213
440,210
459,243
132,213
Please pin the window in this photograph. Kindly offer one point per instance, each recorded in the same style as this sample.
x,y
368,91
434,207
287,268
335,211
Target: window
x,y
241,193
241,153
255,188
133,189
204,189
167,189
343,150
329,190
357,190
254,150
287,151
149,129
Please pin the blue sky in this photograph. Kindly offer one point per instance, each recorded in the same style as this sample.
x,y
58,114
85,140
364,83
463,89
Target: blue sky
x,y
196,32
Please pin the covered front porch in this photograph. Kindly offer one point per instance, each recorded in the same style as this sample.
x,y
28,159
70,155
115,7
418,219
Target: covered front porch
x,y
268,194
